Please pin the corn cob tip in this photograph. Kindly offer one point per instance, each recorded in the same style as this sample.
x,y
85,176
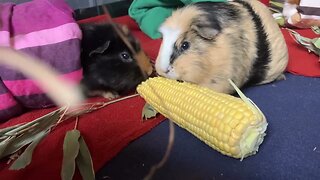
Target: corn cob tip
x,y
252,139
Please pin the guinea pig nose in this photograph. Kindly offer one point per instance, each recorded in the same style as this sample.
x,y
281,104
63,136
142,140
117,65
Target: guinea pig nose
x,y
168,69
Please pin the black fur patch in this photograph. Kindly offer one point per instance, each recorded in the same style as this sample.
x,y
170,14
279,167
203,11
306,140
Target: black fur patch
x,y
106,71
212,21
175,54
213,12
260,66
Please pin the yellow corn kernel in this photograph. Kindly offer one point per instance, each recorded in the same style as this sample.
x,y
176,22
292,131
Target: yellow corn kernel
x,y
236,132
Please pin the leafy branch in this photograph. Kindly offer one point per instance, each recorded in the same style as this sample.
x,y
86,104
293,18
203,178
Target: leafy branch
x,y
15,138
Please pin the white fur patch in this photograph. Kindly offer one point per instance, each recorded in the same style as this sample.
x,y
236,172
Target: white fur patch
x,y
170,36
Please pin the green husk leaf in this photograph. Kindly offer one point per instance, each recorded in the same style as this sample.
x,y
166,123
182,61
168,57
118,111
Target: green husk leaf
x,y
26,157
70,152
84,161
248,101
239,92
316,29
43,124
148,111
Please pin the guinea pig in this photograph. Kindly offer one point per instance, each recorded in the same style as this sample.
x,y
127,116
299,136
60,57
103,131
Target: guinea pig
x,y
110,68
208,43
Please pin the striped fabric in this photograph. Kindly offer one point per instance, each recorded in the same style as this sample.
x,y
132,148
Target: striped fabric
x,y
45,29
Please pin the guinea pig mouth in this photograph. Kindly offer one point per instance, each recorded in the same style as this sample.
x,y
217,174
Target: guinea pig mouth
x,y
170,73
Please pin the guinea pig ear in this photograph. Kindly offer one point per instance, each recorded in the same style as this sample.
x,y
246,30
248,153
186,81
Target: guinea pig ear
x,y
100,49
205,31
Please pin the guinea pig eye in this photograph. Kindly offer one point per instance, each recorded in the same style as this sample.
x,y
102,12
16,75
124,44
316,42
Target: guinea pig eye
x,y
184,46
125,57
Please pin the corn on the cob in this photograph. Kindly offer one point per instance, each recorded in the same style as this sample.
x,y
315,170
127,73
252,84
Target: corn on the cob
x,y
224,122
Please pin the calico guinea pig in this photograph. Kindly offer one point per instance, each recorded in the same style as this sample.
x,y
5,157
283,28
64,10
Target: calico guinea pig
x,y
208,43
109,67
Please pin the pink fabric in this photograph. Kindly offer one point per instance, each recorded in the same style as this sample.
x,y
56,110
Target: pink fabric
x,y
5,38
30,86
47,13
47,36
45,29
7,101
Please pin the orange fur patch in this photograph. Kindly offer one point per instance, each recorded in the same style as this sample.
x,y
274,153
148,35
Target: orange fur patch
x,y
202,65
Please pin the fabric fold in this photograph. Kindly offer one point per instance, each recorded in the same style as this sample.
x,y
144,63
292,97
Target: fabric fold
x,y
46,30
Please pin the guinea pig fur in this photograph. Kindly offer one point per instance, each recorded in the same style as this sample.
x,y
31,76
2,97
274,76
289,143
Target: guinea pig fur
x,y
109,67
208,43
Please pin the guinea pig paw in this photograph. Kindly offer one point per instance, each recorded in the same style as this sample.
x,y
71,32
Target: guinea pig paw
x,y
110,95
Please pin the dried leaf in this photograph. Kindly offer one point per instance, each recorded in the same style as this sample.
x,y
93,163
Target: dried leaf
x,y
44,123
84,161
310,44
26,157
70,152
302,40
316,42
4,144
279,18
32,123
277,4
316,29
7,129
148,111
281,21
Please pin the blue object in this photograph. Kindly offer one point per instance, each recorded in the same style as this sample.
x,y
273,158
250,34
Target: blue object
x,y
291,149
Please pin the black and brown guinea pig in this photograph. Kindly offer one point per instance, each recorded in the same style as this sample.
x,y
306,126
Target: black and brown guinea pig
x,y
208,43
109,67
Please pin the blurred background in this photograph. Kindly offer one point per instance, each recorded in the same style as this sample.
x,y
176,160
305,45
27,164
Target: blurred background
x,y
88,8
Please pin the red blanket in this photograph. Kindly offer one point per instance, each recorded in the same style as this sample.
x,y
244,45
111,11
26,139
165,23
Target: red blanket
x,y
301,62
105,131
